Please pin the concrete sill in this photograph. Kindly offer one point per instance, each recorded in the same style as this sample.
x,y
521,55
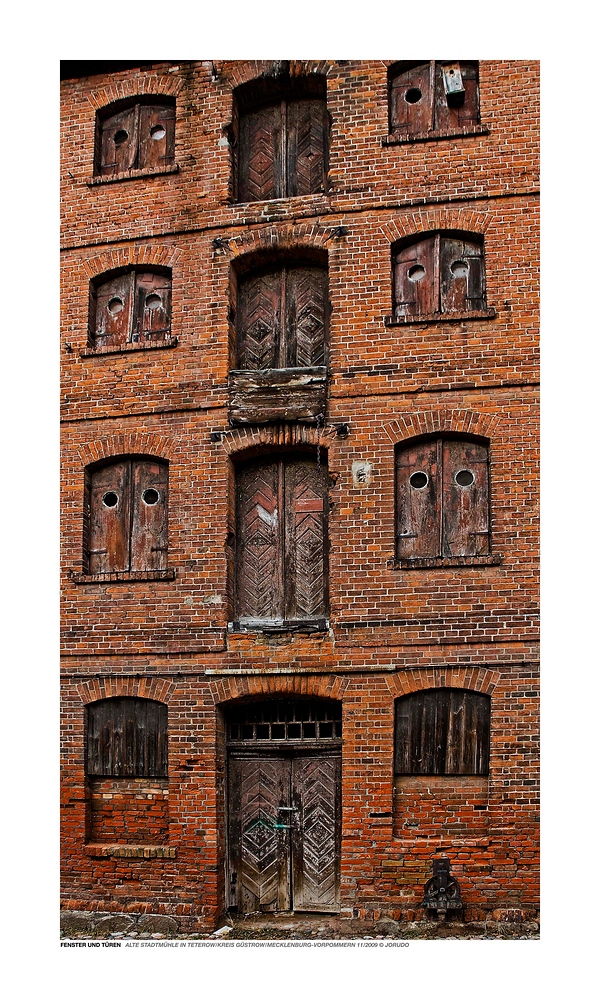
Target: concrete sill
x,y
123,576
449,317
132,175
395,139
146,345
129,851
443,562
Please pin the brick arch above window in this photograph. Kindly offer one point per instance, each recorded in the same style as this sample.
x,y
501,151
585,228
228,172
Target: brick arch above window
x,y
230,689
98,688
140,255
254,69
424,222
271,240
257,439
156,84
442,421
481,679
146,444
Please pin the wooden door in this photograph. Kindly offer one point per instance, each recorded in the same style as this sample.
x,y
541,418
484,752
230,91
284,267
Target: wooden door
x,y
465,500
284,833
416,279
418,500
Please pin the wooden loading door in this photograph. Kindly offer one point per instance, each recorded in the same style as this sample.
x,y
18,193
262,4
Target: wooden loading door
x,y
284,833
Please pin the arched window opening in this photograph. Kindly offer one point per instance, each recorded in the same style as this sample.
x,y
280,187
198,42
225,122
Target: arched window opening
x,y
130,306
431,96
443,731
135,134
439,275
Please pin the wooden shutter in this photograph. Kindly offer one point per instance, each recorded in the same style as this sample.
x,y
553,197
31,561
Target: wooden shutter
x,y
316,830
113,311
155,148
261,165
258,321
259,550
305,539
418,506
306,127
109,520
306,317
412,116
461,275
465,517
149,535
152,307
442,731
457,110
416,283
119,142
127,737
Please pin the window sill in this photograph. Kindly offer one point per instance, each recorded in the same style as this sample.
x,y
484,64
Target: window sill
x,y
124,576
129,851
272,626
398,140
447,317
147,345
443,562
131,175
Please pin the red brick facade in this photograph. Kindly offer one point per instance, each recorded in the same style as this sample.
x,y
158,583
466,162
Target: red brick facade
x,y
390,631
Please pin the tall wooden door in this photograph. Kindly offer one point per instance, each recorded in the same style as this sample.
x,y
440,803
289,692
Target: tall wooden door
x,y
284,833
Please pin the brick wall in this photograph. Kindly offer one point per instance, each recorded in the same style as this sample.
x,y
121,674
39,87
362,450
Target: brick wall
x,y
392,631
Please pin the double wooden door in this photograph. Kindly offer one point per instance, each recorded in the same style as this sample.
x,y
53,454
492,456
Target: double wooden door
x,y
284,832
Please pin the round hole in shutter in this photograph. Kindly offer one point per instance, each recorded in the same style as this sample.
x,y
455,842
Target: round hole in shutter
x,y
459,268
418,480
120,137
110,499
158,131
465,477
416,272
115,305
153,301
413,95
150,497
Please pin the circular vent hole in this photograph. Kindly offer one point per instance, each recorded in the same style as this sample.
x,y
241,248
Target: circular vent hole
x,y
158,131
110,499
150,497
459,268
416,272
115,306
120,137
413,95
465,477
153,301
418,480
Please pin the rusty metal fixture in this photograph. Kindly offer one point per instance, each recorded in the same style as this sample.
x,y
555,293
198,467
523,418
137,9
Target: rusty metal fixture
x,y
442,892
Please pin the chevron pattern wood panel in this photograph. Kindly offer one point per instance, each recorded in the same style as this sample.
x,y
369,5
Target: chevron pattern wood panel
x,y
261,174
306,314
260,566
306,490
259,321
306,147
315,841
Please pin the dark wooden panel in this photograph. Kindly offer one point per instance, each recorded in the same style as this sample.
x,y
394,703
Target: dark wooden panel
x,y
418,501
113,303
442,731
156,135
305,540
152,307
277,394
259,548
259,841
465,502
261,167
119,142
316,830
416,283
409,112
306,125
127,737
305,317
110,518
459,109
461,275
259,321
149,533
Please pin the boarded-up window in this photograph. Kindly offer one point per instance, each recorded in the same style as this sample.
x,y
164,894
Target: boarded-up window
x,y
283,139
433,96
442,498
130,307
127,737
442,273
281,318
442,731
135,135
281,541
127,505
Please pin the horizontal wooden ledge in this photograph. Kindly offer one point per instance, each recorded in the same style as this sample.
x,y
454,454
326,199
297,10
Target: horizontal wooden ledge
x,y
132,175
444,562
123,576
129,851
398,140
146,345
439,317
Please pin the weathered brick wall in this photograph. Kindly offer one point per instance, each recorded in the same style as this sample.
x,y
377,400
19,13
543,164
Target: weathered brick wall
x,y
128,810
392,631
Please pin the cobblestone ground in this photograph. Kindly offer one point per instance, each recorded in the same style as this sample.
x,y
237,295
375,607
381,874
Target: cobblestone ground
x,y
279,928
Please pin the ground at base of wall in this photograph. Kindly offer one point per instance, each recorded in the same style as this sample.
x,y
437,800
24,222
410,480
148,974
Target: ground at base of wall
x,y
83,925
